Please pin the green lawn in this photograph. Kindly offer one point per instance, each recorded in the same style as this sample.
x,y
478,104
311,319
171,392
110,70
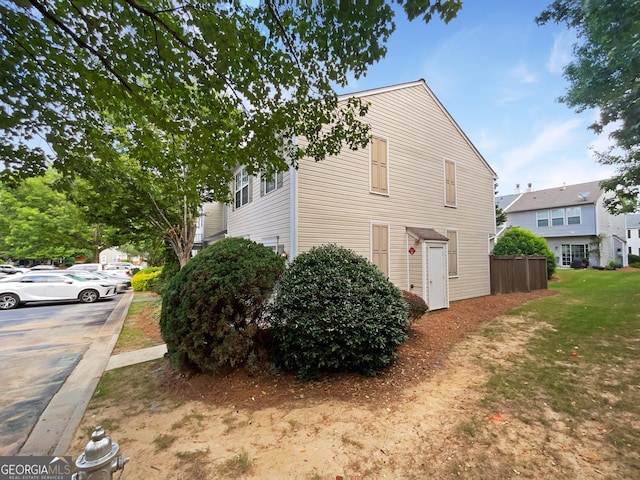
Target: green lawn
x,y
585,364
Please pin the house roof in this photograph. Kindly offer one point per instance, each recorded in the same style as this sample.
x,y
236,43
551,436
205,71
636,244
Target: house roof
x,y
422,83
503,201
427,234
565,196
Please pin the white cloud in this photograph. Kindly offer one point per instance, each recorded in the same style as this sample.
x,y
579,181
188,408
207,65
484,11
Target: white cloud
x,y
561,52
552,158
486,143
522,73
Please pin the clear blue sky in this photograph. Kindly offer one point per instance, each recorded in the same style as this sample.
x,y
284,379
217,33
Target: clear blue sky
x,y
499,75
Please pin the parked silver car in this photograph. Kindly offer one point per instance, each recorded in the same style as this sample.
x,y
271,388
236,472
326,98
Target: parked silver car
x,y
47,286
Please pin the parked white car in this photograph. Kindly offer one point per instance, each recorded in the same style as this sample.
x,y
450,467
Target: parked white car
x,y
47,286
87,267
120,283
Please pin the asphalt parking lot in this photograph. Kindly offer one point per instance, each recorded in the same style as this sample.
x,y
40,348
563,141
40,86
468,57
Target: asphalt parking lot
x,y
40,345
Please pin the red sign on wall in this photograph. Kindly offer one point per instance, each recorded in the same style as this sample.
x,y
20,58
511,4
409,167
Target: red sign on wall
x,y
412,251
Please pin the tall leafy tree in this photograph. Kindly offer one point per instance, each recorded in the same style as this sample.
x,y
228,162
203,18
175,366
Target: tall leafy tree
x,y
38,222
185,90
605,74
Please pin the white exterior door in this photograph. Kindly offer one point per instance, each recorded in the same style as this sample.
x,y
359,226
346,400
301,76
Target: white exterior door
x,y
437,290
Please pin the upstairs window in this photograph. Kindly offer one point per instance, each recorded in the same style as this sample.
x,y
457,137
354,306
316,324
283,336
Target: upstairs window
x,y
450,197
379,166
557,216
542,218
574,216
242,190
271,183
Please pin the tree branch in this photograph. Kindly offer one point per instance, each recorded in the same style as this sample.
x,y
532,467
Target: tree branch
x,y
81,43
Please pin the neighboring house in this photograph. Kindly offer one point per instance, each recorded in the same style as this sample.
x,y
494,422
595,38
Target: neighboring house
x,y
503,202
574,222
632,225
113,255
211,225
417,202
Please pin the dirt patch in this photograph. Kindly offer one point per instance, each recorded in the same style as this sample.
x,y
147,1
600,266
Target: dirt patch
x,y
421,418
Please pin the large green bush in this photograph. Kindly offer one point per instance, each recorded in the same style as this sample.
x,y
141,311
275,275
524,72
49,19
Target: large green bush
x,y
518,241
334,310
211,309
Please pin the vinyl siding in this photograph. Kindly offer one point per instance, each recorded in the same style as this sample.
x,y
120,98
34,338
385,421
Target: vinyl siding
x,y
265,217
336,206
528,221
214,221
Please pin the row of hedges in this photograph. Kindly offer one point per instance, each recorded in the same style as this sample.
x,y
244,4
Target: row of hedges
x,y
329,310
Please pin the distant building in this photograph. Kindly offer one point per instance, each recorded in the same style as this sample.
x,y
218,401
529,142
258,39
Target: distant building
x,y
632,225
574,222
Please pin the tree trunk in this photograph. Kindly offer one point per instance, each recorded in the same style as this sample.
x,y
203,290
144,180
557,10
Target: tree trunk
x,y
181,240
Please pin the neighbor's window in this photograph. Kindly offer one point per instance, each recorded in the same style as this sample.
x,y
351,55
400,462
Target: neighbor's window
x,y
574,216
270,183
574,252
242,188
543,218
557,216
379,165
452,235
450,183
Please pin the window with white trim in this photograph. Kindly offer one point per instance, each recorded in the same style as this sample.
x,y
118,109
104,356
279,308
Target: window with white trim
x,y
557,216
574,216
571,252
542,218
270,183
242,188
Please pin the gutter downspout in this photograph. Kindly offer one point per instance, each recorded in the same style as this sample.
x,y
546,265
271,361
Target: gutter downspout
x,y
293,209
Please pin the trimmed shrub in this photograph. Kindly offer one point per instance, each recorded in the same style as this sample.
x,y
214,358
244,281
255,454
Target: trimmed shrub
x,y
518,241
212,308
333,310
146,279
633,259
416,305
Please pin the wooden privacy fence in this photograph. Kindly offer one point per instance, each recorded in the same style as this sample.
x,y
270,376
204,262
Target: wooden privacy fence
x,y
511,273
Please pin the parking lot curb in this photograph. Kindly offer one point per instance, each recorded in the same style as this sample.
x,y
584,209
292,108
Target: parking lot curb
x,y
57,425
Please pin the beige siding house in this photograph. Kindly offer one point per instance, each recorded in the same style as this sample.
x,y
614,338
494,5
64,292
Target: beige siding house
x,y
418,202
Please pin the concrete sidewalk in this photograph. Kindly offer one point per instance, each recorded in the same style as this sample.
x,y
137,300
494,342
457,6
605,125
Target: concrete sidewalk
x,y
57,425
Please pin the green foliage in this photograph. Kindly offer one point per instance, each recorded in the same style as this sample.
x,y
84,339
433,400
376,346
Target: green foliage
x,y
518,241
416,305
212,308
170,268
633,258
612,265
334,310
39,222
604,76
146,279
154,123
574,363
